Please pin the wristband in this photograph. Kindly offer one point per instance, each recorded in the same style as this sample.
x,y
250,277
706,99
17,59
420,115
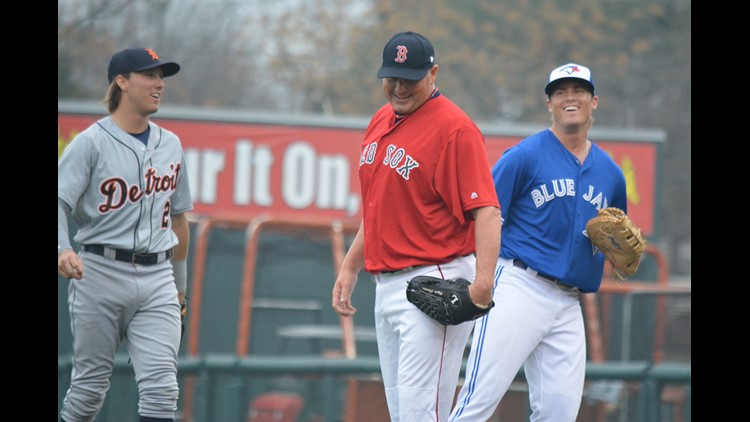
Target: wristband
x,y
62,248
179,268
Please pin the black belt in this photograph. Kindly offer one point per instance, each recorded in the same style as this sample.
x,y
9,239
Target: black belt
x,y
522,265
128,256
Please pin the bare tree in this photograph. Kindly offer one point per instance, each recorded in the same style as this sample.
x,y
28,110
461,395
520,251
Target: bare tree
x,y
322,56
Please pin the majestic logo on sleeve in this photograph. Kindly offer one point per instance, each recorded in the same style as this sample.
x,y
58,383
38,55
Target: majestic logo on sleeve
x,y
117,193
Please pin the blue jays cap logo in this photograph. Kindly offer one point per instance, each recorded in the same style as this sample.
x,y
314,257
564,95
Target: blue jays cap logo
x,y
570,71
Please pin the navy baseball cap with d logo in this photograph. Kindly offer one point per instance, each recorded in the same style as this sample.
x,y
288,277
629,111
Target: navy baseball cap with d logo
x,y
408,55
138,60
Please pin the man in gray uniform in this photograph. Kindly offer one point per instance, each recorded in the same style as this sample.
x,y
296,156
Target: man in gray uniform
x,y
124,182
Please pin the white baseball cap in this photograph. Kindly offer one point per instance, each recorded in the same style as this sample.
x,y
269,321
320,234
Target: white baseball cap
x,y
570,71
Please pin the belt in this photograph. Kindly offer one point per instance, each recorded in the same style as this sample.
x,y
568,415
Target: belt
x,y
128,256
522,265
414,267
402,270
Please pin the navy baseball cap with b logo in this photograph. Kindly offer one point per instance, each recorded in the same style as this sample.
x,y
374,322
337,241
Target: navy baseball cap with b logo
x,y
138,60
408,55
570,71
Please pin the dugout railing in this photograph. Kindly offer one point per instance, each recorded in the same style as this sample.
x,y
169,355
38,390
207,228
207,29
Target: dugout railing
x,y
600,367
612,341
216,386
248,302
212,370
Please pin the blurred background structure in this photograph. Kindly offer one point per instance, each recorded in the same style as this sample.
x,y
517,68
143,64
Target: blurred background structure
x,y
321,56
262,80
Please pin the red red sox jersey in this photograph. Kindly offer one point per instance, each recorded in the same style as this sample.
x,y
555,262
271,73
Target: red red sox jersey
x,y
420,178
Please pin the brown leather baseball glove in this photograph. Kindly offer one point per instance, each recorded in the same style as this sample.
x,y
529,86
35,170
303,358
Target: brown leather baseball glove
x,y
618,238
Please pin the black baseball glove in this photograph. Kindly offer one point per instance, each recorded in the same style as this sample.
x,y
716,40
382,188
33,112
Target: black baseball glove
x,y
446,301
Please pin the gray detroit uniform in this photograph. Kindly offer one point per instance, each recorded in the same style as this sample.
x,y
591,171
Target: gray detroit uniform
x,y
121,194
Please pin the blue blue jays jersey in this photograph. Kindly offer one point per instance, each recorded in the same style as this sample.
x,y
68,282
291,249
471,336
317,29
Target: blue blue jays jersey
x,y
546,197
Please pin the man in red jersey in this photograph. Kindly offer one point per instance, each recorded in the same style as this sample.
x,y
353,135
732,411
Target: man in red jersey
x,y
428,208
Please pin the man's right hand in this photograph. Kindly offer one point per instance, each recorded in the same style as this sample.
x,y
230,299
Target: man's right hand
x,y
69,265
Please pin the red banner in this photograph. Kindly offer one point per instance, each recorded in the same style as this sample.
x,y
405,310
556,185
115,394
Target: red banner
x,y
303,172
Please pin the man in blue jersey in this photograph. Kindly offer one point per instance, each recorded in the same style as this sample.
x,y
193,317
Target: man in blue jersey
x,y
549,185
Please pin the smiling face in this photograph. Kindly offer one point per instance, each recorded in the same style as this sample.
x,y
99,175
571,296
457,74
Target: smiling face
x,y
571,104
142,91
405,95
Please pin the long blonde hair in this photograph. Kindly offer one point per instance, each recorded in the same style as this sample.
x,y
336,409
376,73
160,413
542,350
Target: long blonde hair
x,y
113,97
